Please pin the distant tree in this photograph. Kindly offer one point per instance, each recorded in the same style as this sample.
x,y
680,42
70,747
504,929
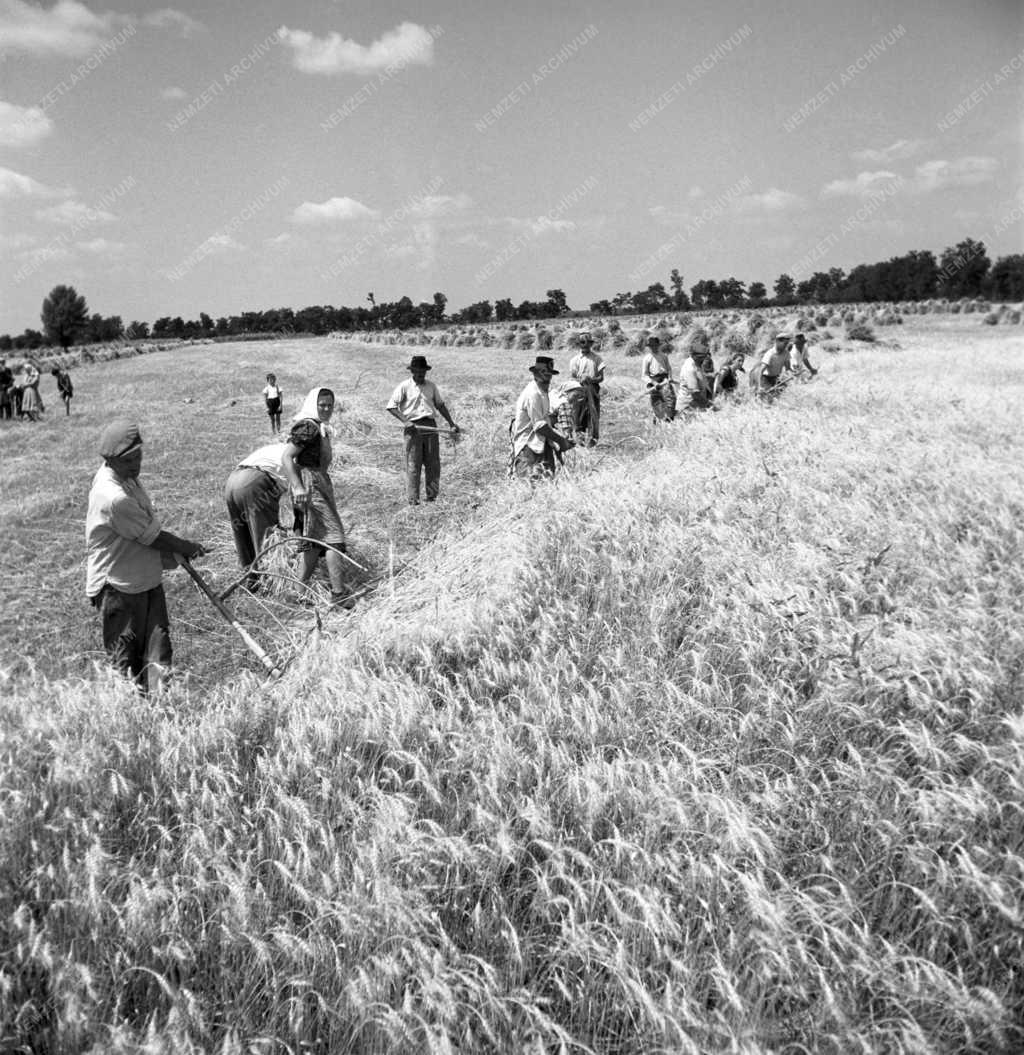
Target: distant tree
x,y
602,307
1006,279
706,294
622,302
30,340
440,303
785,288
504,310
756,294
556,298
652,299
177,327
680,301
137,331
6,342
963,269
205,323
64,316
733,292
479,312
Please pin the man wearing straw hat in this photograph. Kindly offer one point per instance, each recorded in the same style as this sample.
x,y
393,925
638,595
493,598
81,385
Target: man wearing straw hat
x,y
416,402
656,374
128,550
534,440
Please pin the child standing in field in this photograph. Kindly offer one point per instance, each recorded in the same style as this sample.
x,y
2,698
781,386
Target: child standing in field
x,y
65,388
273,397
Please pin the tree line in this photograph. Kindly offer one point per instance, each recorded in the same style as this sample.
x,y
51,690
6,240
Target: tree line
x,y
962,270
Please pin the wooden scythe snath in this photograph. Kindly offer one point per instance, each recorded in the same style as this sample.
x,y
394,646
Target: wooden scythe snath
x,y
250,642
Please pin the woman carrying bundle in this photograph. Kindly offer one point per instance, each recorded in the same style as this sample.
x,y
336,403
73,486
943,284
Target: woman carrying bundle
x,y
306,461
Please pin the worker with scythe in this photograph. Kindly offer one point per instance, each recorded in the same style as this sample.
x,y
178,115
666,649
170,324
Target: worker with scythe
x,y
416,402
128,550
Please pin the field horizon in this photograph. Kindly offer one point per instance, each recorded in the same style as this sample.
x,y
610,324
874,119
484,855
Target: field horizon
x,y
716,744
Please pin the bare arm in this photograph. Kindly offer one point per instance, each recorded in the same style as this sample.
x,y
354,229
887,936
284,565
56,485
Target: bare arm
x,y
292,473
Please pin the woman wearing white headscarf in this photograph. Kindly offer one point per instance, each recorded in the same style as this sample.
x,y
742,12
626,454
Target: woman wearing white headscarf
x,y
306,460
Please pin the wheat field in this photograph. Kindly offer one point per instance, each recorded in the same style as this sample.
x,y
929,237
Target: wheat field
x,y
716,745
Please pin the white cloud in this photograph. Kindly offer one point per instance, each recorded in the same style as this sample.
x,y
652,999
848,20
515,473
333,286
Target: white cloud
x,y
219,243
545,225
72,211
280,241
771,200
964,172
402,46
167,17
898,151
334,210
174,92
101,245
439,205
400,251
70,29
22,126
15,185
863,185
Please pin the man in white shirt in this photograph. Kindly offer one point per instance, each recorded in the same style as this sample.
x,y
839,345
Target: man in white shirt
x,y
766,377
587,368
656,375
416,402
534,440
128,550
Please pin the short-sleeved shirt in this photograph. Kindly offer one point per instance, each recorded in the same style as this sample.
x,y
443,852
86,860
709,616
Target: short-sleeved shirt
x,y
120,529
653,365
268,459
693,384
586,366
314,447
271,392
533,410
415,401
774,361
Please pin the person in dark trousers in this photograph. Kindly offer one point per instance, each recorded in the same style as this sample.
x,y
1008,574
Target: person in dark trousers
x,y
127,552
65,389
273,397
416,402
6,391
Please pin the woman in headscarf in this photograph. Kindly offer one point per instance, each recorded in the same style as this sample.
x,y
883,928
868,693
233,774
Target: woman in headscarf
x,y
31,404
306,460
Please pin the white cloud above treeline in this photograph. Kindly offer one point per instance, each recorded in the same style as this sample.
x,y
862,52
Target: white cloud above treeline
x,y
22,126
405,45
334,210
16,185
970,171
898,151
70,29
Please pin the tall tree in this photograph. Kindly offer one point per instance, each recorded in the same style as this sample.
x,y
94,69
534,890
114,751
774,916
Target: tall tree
x,y
1006,279
440,303
556,298
64,315
963,270
680,301
756,293
784,288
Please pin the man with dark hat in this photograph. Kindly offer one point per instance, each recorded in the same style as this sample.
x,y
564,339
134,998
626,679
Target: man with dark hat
x,y
416,402
587,368
534,440
128,551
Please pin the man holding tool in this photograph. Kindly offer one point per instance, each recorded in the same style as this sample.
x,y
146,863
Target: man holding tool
x,y
416,402
128,551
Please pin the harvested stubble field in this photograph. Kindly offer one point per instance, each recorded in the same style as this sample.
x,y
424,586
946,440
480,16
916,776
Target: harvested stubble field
x,y
716,745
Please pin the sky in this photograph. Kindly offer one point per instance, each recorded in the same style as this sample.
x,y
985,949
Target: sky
x,y
225,157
